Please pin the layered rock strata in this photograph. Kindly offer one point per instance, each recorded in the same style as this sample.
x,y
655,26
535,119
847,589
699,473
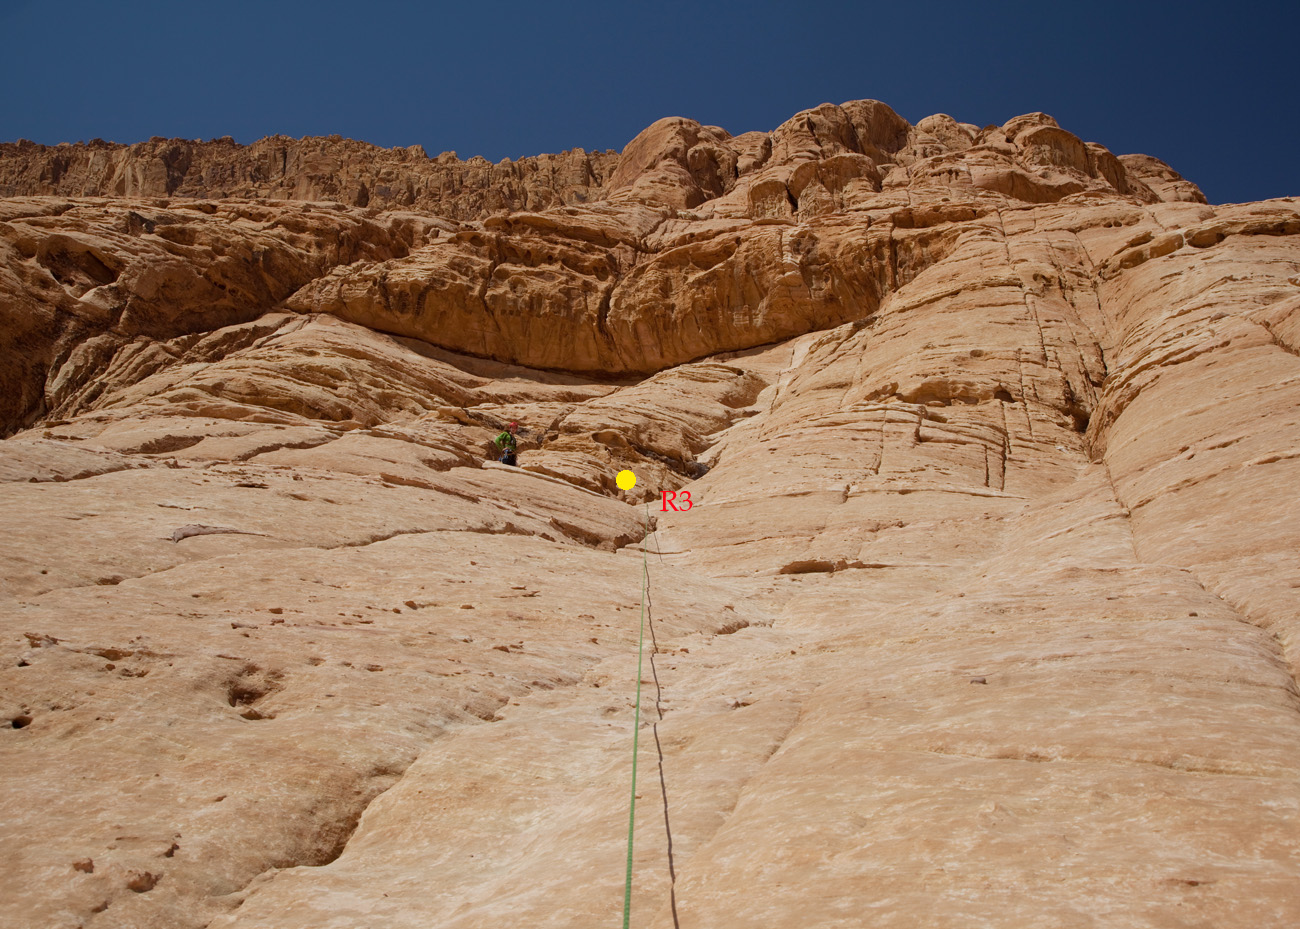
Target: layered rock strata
x,y
984,613
281,168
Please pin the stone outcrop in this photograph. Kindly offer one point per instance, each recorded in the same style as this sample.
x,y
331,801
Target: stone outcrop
x,y
984,611
798,230
819,160
318,169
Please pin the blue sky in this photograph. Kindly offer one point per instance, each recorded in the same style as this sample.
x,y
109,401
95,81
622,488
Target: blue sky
x,y
1210,88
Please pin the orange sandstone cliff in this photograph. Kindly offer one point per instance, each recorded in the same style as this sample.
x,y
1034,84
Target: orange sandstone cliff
x,y
985,611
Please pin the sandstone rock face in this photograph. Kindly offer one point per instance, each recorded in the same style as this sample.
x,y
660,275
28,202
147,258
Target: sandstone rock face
x,y
984,611
327,169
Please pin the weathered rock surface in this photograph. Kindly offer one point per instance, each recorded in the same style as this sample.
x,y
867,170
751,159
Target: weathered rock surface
x,y
282,168
984,613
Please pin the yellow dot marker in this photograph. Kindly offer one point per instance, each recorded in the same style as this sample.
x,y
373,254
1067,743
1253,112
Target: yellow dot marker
x,y
625,480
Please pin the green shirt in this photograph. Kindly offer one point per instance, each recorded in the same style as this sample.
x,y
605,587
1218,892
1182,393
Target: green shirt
x,y
505,440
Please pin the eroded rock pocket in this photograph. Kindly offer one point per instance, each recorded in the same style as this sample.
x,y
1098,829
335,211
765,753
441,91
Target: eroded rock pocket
x,y
249,687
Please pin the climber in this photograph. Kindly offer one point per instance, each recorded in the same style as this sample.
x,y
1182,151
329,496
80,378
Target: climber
x,y
507,442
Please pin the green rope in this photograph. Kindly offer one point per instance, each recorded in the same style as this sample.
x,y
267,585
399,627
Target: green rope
x,y
636,725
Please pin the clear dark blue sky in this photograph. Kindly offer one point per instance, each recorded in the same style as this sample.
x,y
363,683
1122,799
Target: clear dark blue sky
x,y
1209,87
